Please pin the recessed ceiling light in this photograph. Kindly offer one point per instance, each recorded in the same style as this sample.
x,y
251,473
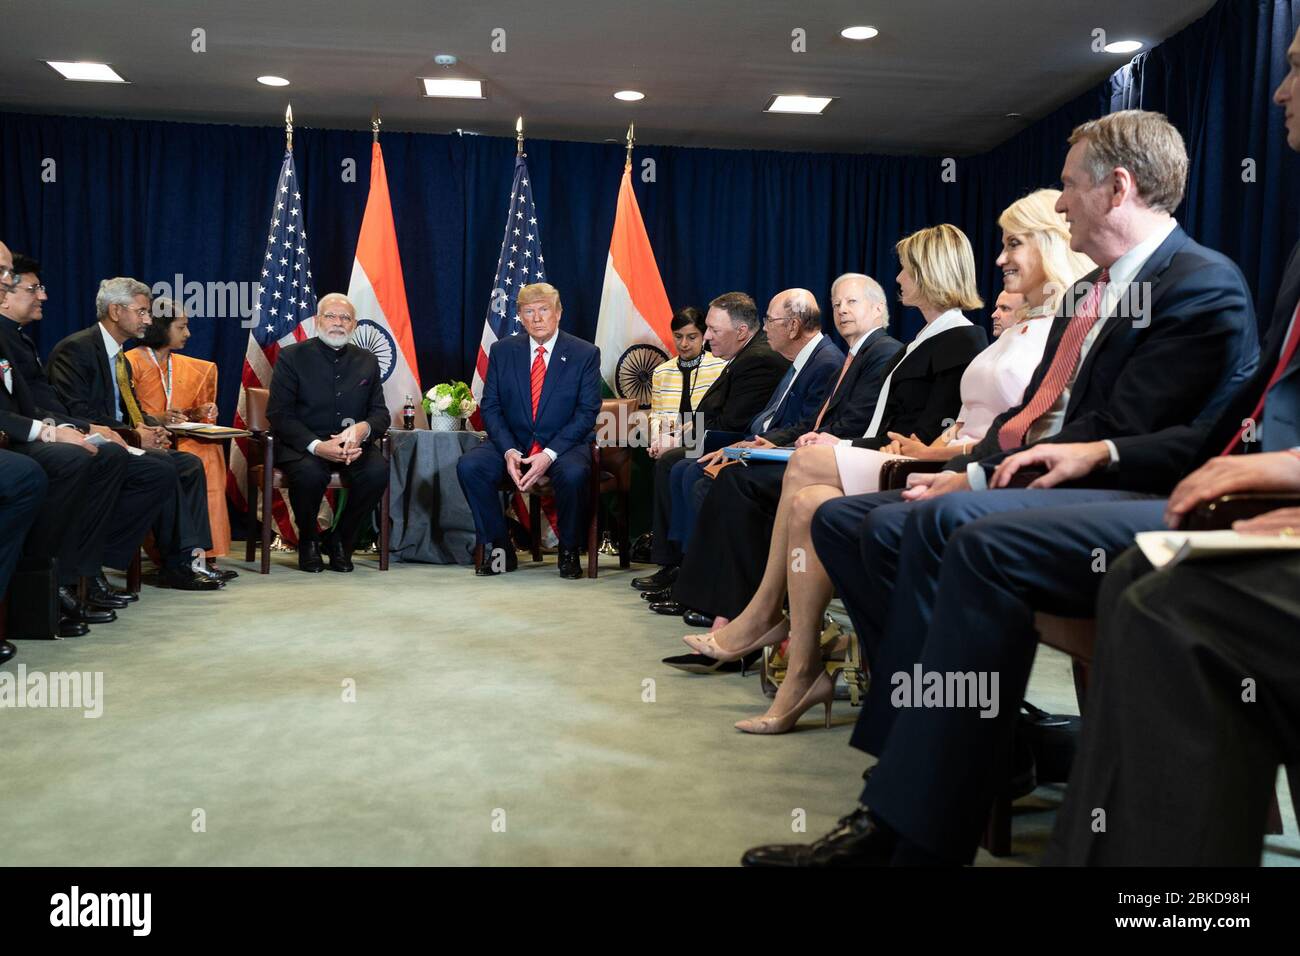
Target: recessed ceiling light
x,y
1123,46
859,33
794,103
273,81
629,96
89,72
460,89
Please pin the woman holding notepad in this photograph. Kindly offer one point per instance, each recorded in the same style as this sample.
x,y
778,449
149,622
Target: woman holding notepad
x,y
1038,265
177,388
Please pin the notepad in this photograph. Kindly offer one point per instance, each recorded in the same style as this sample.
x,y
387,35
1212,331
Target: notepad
x,y
1164,549
758,454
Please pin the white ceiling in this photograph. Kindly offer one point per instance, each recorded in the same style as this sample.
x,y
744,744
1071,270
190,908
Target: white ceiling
x,y
940,79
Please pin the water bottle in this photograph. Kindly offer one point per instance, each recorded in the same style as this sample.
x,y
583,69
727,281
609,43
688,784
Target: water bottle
x,y
408,413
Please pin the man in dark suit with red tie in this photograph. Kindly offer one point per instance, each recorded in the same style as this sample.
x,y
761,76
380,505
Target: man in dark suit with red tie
x,y
540,402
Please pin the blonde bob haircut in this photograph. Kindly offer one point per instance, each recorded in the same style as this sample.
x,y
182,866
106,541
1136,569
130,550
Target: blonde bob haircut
x,y
539,292
942,265
1035,219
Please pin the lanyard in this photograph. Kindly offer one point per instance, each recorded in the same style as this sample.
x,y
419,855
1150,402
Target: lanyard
x,y
166,378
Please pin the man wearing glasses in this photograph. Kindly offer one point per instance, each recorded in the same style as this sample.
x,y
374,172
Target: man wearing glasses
x,y
92,377
326,409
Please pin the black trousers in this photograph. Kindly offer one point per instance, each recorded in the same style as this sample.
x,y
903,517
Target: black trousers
x,y
22,490
1194,701
664,552
73,523
728,552
307,478
165,491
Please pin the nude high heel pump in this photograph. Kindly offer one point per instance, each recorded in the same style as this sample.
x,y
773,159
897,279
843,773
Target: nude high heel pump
x,y
707,645
821,692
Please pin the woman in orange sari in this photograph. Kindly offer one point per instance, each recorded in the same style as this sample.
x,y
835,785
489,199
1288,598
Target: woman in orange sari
x,y
178,388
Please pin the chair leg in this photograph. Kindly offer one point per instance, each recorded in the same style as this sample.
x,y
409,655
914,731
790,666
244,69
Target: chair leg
x,y
268,522
251,529
1274,819
1080,681
134,574
623,524
478,555
593,543
535,524
997,834
383,531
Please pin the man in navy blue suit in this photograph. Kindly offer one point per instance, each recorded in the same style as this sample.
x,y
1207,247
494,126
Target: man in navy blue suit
x,y
540,403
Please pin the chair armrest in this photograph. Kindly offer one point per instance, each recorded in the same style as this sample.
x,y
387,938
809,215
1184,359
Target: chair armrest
x,y
1218,515
386,446
4,440
130,436
894,471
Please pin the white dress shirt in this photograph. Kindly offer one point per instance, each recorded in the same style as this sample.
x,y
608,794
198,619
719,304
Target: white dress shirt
x,y
799,362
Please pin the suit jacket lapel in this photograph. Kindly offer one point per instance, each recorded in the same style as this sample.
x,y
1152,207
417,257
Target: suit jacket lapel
x,y
105,368
524,371
855,369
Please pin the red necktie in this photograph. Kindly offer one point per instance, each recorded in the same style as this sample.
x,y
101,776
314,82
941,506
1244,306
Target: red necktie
x,y
848,360
1288,352
535,379
1013,430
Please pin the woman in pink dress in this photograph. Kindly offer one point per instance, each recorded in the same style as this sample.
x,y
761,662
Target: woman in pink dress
x,y
1037,265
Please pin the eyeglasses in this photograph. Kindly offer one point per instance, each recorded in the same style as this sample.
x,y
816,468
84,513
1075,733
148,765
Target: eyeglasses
x,y
769,319
337,316
8,277
34,289
143,311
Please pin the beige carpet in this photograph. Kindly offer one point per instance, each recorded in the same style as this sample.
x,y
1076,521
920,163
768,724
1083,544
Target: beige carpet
x,y
514,720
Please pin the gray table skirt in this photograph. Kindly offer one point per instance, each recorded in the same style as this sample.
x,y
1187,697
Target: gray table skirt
x,y
431,518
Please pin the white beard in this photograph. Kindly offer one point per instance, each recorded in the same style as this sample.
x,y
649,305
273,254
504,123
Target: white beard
x,y
335,341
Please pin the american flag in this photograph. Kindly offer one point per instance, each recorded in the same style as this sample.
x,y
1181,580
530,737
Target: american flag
x,y
520,262
285,313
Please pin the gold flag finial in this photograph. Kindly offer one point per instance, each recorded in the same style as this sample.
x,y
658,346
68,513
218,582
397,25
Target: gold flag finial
x,y
519,136
288,128
375,123
630,141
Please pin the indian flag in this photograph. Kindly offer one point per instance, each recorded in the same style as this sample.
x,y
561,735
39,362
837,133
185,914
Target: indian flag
x,y
378,291
634,307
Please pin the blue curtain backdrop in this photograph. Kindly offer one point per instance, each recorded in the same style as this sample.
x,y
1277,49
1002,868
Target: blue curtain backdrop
x,y
154,200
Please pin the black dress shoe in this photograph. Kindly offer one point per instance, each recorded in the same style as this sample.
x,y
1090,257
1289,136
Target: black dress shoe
x,y
82,614
696,619
208,574
187,580
857,840
101,582
657,597
226,574
671,608
70,628
309,557
661,579
703,664
97,597
340,557
492,563
570,563
7,651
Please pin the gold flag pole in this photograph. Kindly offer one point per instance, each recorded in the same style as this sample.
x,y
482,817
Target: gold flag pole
x,y
627,167
519,137
288,128
375,123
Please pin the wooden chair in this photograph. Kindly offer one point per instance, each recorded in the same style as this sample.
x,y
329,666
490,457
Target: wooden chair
x,y
611,469
264,479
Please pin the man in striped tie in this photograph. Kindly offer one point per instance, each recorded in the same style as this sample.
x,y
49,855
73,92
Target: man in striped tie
x,y
540,403
955,572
